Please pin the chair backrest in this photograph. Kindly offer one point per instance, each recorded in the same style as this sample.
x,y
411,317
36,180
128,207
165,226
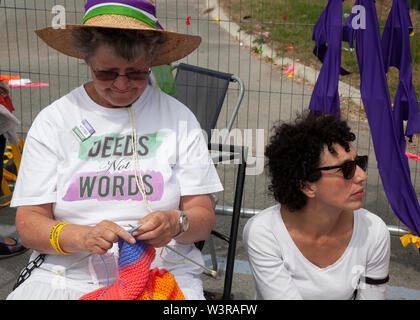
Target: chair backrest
x,y
203,91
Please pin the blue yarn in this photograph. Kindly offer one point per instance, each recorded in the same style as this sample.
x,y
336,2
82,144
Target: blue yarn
x,y
129,252
137,249
118,277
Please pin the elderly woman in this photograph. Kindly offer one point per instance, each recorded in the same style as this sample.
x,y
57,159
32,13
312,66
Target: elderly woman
x,y
317,243
113,153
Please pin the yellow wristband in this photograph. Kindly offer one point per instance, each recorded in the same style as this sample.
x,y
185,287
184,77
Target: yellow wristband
x,y
54,235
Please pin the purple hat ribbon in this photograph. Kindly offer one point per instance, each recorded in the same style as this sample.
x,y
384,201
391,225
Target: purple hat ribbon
x,y
141,10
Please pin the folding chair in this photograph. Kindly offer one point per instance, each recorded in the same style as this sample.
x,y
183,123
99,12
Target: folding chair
x,y
235,152
204,91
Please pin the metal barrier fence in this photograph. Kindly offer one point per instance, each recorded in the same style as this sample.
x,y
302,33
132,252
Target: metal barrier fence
x,y
270,96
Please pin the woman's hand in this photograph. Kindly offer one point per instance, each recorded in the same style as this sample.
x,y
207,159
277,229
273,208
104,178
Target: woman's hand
x,y
100,239
158,228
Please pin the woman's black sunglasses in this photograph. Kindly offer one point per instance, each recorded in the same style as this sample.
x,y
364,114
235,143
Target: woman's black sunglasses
x,y
349,167
112,75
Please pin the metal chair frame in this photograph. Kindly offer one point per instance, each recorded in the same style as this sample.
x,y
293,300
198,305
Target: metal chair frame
x,y
225,152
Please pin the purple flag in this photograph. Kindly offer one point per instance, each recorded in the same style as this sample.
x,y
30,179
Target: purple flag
x,y
328,30
396,51
322,31
388,143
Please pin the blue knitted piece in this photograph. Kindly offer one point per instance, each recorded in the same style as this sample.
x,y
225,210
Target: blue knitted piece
x,y
130,253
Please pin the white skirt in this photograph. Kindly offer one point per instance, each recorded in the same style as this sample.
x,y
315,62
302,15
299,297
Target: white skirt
x,y
68,277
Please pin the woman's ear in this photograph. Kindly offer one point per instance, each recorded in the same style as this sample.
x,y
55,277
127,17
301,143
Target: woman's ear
x,y
308,188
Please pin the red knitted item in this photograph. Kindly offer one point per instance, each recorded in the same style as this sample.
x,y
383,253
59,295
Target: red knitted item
x,y
135,280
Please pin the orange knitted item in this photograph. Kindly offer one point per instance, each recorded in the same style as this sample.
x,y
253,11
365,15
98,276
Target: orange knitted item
x,y
163,287
135,279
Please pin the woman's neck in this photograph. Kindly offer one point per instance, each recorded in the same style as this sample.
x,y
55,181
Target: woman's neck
x,y
317,221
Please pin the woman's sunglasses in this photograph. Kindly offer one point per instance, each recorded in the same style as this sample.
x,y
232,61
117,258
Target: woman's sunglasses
x,y
349,167
112,75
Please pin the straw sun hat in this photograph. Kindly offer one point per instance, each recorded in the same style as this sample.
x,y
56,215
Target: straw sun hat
x,y
122,14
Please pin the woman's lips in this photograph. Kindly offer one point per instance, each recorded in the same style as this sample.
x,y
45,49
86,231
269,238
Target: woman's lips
x,y
359,194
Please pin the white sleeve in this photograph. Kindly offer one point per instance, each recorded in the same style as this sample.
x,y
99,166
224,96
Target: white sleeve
x,y
377,267
37,178
194,169
272,280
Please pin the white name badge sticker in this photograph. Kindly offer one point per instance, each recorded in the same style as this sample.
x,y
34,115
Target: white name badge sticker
x,y
84,130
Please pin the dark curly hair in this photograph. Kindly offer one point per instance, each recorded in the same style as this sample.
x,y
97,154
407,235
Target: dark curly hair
x,y
294,150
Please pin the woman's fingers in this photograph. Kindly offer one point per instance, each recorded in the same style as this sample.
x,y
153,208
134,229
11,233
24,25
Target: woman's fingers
x,y
102,237
123,234
157,228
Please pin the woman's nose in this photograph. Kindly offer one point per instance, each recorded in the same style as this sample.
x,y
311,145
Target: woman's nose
x,y
360,174
121,82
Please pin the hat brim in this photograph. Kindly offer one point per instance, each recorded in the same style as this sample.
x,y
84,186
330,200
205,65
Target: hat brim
x,y
176,46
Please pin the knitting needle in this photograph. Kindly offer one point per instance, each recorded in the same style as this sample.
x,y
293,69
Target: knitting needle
x,y
134,228
211,272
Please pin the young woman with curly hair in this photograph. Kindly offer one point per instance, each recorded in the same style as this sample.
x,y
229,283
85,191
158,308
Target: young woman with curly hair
x,y
317,243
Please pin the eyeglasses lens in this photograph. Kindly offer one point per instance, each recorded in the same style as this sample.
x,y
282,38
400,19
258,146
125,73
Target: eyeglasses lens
x,y
111,75
349,168
362,162
138,75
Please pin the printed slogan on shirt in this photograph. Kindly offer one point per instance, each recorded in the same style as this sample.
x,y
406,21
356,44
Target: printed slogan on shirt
x,y
115,179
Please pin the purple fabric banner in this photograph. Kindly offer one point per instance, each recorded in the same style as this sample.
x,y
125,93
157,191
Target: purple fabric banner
x,y
328,30
323,29
388,143
396,51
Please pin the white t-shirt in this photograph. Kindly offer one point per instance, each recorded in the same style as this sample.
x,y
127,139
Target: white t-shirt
x,y
93,180
281,271
89,180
